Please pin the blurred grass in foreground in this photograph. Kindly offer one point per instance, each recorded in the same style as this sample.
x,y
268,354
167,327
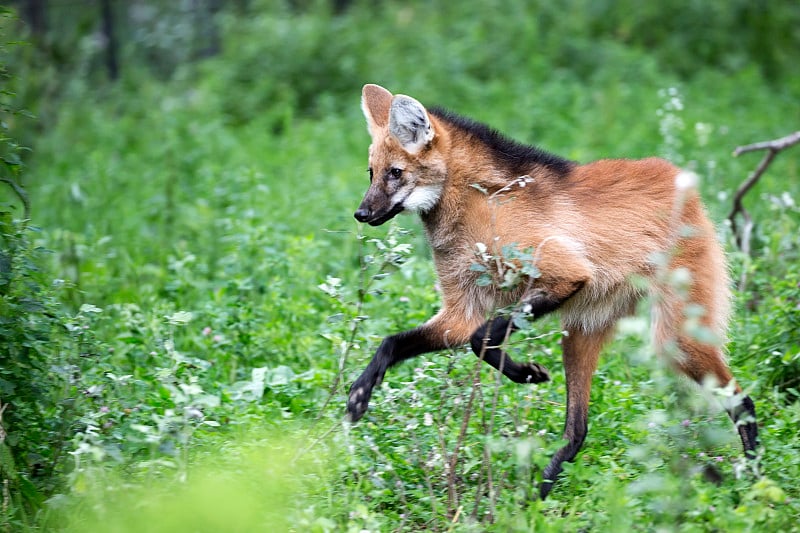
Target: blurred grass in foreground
x,y
248,485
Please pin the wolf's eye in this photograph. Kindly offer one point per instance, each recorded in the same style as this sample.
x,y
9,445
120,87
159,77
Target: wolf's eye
x,y
395,172
370,174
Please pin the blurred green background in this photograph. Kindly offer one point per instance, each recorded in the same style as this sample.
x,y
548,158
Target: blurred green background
x,y
180,269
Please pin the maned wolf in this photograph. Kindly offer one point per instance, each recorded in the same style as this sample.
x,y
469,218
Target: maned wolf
x,y
603,235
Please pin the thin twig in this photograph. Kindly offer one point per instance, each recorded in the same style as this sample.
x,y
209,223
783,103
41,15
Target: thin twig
x,y
777,144
452,495
743,238
494,492
304,450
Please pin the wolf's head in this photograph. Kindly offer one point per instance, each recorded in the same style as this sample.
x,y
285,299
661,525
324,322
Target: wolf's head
x,y
406,171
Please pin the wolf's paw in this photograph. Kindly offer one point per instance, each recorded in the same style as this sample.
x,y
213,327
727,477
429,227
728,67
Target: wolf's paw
x,y
531,373
358,402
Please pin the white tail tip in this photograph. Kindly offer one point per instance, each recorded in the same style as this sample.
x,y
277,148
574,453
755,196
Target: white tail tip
x,y
686,180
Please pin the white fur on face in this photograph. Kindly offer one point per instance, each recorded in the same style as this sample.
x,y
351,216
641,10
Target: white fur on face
x,y
422,198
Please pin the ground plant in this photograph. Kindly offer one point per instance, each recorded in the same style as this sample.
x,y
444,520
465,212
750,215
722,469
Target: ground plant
x,y
185,296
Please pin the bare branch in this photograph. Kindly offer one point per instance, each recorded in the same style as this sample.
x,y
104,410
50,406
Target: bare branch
x,y
738,207
776,145
772,147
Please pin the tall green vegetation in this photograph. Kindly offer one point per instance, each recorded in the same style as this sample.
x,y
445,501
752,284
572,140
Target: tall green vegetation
x,y
36,339
190,272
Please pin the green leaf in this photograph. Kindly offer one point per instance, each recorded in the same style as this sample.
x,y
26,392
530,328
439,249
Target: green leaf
x,y
89,308
521,322
7,465
180,318
483,280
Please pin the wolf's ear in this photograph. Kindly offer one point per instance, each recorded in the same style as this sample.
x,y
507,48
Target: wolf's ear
x,y
375,102
409,123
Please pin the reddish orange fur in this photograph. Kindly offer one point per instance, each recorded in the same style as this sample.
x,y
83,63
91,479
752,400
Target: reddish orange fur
x,y
598,226
605,234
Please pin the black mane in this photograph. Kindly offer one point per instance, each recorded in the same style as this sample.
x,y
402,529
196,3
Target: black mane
x,y
517,156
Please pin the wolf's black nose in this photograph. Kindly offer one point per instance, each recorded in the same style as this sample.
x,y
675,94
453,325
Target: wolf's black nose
x,y
362,214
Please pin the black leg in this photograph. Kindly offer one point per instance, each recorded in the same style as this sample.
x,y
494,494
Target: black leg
x,y
488,338
486,342
392,350
744,416
578,428
581,353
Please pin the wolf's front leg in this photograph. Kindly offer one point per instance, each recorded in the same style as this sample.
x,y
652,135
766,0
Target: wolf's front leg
x,y
438,333
392,350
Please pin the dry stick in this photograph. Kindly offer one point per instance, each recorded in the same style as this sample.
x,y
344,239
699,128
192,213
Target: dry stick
x,y
443,390
494,200
777,144
451,490
302,451
493,492
772,147
452,495
486,465
490,488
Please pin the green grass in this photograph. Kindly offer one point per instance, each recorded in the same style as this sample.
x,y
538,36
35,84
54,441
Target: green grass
x,y
200,217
